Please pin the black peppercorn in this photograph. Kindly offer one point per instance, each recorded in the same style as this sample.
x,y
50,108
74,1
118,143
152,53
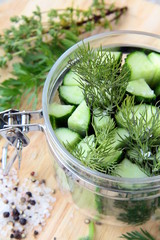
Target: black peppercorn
x,y
32,202
15,212
15,189
12,235
28,207
17,235
22,221
16,218
29,194
6,214
36,233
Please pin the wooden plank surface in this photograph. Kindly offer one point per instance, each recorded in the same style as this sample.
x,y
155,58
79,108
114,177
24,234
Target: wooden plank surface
x,y
66,222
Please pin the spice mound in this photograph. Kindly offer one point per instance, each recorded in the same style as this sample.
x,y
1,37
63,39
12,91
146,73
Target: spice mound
x,y
24,207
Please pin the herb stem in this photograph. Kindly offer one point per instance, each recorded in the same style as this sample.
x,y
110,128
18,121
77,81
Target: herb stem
x,y
46,29
63,9
95,18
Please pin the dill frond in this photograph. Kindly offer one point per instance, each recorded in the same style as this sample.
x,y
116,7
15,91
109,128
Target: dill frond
x,y
102,77
135,235
142,122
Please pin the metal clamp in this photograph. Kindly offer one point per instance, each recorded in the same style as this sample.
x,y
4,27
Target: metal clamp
x,y
13,127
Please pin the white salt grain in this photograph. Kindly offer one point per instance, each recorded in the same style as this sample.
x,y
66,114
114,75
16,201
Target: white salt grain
x,y
37,213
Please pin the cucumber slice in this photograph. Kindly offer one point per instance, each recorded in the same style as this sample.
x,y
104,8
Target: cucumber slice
x,y
100,122
71,79
116,55
134,155
121,135
86,145
128,169
140,89
60,112
80,119
67,137
111,159
140,66
155,59
71,94
157,91
83,198
53,122
139,111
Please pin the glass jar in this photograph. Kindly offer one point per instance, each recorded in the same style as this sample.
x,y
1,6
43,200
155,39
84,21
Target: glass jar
x,y
106,198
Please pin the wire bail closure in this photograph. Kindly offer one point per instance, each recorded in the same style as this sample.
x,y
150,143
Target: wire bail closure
x,y
13,127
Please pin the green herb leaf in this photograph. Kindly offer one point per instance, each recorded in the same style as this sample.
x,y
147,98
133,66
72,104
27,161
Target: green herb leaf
x,y
102,77
135,235
102,155
39,44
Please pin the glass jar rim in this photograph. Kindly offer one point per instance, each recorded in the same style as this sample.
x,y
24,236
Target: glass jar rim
x,y
71,158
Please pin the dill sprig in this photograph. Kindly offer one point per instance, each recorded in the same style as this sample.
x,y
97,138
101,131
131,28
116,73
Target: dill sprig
x,y
143,142
102,77
135,235
101,155
38,40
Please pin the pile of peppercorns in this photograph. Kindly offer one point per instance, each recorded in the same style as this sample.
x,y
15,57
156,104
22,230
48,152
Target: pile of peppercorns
x,y
21,205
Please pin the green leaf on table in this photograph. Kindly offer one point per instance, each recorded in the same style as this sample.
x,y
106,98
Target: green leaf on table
x,y
135,235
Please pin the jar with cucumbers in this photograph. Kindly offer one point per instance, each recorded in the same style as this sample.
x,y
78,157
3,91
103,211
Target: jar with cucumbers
x,y
103,111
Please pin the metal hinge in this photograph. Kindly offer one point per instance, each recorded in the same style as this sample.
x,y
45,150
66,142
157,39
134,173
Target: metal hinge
x,y
13,127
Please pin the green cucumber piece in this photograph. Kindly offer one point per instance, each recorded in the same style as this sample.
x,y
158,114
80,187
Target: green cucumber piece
x,y
139,111
67,137
141,90
53,122
86,145
134,155
121,135
113,158
155,59
116,55
157,91
80,119
71,94
100,122
71,79
127,169
140,66
60,112
83,197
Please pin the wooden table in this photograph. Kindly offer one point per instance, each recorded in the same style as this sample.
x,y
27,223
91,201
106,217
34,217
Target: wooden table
x,y
66,222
